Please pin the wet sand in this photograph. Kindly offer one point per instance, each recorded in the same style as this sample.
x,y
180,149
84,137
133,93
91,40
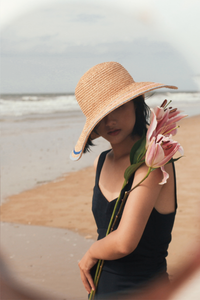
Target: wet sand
x,y
45,258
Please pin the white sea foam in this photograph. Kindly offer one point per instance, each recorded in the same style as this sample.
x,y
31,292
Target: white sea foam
x,y
13,105
24,105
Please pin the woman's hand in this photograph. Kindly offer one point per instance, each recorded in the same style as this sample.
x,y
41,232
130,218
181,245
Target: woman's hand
x,y
85,265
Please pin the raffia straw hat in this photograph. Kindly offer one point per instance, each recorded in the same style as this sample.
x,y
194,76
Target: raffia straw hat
x,y
101,90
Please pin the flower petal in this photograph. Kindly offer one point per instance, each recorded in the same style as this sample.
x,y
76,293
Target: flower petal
x,y
180,150
169,128
149,157
176,113
151,128
162,123
165,176
159,112
159,156
176,147
154,154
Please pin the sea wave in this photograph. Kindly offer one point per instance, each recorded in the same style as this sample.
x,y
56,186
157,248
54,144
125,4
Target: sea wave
x,y
23,105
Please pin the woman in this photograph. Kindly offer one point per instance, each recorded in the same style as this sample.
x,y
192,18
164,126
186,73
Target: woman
x,y
135,252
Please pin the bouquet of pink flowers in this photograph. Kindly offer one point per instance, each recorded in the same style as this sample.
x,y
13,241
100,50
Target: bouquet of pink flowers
x,y
156,149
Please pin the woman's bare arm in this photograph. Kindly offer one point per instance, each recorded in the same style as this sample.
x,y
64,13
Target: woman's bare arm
x,y
138,208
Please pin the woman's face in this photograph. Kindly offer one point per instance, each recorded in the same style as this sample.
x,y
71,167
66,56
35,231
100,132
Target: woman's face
x,y
117,126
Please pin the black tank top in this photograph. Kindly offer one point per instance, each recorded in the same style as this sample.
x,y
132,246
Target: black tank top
x,y
149,257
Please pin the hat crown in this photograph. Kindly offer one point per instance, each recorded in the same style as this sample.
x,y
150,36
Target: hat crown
x,y
99,85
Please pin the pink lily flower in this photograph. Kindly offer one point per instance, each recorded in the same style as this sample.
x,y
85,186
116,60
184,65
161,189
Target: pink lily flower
x,y
163,121
159,152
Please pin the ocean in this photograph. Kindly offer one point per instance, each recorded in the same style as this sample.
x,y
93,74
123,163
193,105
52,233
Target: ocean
x,y
38,133
13,106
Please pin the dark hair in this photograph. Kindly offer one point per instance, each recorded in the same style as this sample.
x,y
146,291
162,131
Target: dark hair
x,y
142,113
142,117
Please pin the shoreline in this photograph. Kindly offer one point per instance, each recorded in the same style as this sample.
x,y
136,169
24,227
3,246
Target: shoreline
x,y
55,212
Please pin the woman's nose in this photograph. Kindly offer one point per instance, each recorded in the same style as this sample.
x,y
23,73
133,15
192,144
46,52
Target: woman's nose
x,y
110,119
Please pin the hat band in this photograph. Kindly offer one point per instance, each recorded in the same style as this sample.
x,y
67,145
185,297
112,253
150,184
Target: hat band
x,y
77,152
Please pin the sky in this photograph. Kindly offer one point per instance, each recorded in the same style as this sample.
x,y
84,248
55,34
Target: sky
x,y
47,45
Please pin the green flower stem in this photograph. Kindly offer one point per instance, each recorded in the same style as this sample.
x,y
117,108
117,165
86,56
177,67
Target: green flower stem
x,y
126,196
97,270
96,278
114,210
99,266
110,228
149,171
119,211
98,275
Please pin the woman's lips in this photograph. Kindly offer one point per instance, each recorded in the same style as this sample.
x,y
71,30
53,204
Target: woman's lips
x,y
114,132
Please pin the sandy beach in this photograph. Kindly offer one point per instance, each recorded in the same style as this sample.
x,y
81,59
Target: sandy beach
x,y
65,204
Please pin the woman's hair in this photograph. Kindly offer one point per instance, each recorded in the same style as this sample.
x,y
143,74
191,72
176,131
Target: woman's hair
x,y
142,117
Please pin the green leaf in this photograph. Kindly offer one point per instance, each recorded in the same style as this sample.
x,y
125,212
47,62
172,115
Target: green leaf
x,y
143,145
173,159
131,169
138,150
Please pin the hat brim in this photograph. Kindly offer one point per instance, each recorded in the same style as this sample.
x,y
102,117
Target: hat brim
x,y
132,91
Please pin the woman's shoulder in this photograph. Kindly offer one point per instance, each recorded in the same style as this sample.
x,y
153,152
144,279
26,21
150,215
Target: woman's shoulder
x,y
96,162
100,156
153,179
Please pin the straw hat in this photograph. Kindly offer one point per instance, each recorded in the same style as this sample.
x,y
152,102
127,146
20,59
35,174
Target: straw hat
x,y
101,90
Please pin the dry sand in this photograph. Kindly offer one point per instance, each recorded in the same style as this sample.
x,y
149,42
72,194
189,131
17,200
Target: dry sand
x,y
66,203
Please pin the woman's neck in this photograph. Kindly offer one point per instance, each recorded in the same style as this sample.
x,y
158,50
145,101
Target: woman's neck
x,y
123,149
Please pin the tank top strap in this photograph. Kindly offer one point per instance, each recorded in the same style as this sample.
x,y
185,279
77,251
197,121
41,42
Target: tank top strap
x,y
100,163
175,190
